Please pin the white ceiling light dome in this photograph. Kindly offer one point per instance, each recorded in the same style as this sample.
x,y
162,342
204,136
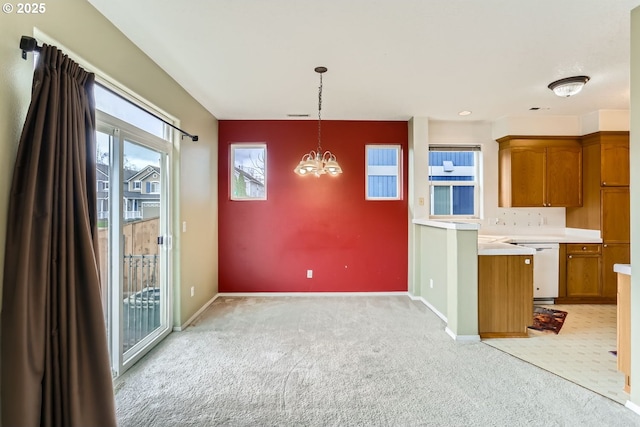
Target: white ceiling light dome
x,y
568,86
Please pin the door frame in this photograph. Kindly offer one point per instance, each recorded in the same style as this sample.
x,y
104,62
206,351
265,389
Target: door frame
x,y
120,132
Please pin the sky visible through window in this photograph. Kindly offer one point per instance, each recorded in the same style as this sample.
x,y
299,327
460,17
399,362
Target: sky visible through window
x,y
250,160
136,156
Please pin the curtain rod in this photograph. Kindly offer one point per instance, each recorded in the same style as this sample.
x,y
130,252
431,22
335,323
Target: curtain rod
x,y
29,44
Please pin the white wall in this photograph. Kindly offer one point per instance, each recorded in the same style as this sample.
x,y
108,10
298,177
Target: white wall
x,y
466,133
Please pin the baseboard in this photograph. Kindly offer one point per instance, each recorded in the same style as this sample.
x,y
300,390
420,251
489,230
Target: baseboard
x,y
197,313
634,407
312,294
462,338
457,338
430,307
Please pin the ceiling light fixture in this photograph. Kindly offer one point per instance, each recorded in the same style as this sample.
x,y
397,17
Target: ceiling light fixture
x,y
318,162
568,86
464,113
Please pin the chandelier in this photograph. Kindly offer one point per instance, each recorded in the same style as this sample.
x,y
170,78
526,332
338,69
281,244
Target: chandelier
x,y
318,162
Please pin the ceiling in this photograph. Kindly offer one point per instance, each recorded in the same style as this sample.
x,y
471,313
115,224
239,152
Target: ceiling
x,y
386,59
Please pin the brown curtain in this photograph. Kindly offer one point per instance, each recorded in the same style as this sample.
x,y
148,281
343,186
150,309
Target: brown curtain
x,y
55,363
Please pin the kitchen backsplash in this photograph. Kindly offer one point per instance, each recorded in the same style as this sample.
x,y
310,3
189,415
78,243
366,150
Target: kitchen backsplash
x,y
525,220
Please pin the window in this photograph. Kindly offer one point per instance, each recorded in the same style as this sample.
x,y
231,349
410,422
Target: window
x,y
248,178
454,180
103,185
110,103
154,187
383,177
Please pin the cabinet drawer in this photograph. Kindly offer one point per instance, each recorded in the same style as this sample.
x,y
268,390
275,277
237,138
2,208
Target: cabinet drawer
x,y
583,248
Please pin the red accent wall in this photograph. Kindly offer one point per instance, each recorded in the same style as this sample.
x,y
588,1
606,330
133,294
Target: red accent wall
x,y
321,224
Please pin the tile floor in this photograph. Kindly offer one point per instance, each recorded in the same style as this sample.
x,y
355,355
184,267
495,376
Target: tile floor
x,y
579,353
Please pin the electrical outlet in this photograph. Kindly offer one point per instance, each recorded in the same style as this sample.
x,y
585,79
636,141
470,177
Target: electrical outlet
x,y
309,274
431,283
184,226
421,201
193,290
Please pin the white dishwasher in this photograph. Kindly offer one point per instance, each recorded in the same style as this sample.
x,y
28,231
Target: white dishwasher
x,y
546,264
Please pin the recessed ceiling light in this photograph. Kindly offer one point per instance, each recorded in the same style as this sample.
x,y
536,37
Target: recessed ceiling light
x,y
464,113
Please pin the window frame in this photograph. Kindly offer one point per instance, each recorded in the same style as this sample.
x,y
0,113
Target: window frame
x,y
232,162
155,187
398,170
476,183
103,185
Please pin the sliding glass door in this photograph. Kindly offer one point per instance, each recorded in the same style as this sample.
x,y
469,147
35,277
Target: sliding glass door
x,y
133,182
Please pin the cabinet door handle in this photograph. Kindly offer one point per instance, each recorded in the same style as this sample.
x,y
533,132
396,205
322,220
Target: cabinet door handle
x,y
570,256
584,248
605,246
604,183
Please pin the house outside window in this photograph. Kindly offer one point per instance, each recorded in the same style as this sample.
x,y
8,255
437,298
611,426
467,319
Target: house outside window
x,y
137,185
248,178
383,177
454,184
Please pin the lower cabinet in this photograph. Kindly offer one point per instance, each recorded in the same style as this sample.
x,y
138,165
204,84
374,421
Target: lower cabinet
x,y
624,328
505,295
583,270
586,272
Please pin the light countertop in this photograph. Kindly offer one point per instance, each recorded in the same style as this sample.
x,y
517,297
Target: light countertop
x,y
622,268
493,244
498,248
502,242
568,237
451,225
552,238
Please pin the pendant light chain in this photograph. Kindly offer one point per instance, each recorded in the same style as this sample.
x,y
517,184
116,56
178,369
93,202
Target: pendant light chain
x,y
319,116
319,162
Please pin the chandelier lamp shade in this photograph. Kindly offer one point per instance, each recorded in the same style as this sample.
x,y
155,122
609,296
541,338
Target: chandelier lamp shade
x,y
568,86
318,162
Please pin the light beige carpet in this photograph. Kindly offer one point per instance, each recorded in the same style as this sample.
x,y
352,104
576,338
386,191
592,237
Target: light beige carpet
x,y
343,361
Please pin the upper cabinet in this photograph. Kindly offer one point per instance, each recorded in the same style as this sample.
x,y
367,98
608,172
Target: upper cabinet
x,y
605,190
540,171
614,157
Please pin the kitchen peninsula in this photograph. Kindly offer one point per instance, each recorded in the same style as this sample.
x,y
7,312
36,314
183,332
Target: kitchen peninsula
x,y
480,285
505,290
464,280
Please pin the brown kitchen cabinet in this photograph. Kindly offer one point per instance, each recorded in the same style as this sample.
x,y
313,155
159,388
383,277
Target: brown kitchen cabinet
x,y
605,207
605,165
612,253
582,274
614,155
539,172
505,295
615,214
